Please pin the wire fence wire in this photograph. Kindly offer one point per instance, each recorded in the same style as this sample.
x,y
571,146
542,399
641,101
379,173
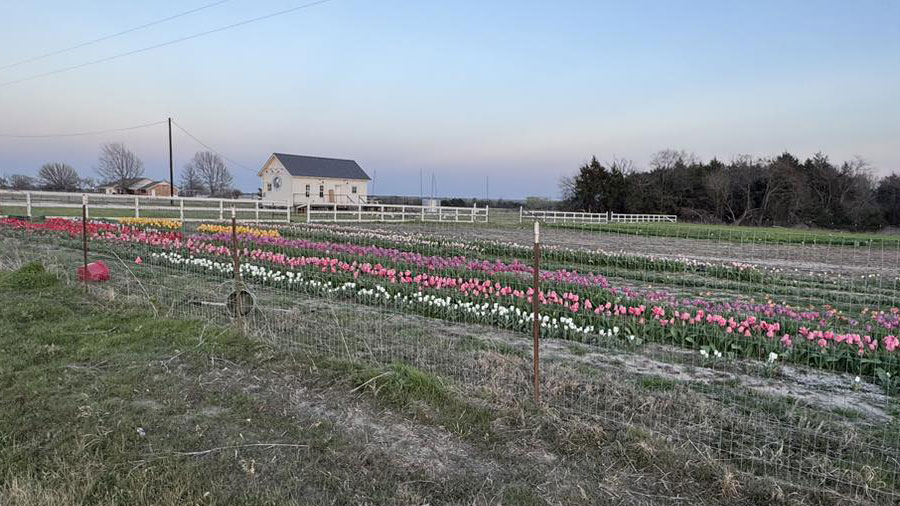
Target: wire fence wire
x,y
770,351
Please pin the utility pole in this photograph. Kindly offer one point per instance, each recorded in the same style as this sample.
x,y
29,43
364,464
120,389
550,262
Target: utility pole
x,y
171,165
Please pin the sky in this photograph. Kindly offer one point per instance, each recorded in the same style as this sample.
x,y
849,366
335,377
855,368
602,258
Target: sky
x,y
493,97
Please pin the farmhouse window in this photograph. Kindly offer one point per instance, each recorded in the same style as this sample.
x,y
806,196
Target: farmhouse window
x,y
307,190
321,191
353,189
269,187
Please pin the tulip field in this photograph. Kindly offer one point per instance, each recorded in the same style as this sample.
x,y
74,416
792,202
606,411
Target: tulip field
x,y
789,350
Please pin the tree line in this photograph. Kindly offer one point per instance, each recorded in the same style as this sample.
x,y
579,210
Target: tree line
x,y
782,191
206,173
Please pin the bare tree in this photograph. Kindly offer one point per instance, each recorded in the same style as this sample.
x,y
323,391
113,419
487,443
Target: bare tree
x,y
718,185
89,183
118,164
211,171
21,182
669,158
58,176
567,187
191,183
4,183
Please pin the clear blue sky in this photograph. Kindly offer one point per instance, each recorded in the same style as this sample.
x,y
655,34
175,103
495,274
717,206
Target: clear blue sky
x,y
520,91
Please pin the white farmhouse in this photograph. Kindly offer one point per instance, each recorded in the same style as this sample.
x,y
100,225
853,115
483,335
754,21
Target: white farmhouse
x,y
300,180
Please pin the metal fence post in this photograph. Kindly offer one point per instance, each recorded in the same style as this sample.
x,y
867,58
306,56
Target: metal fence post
x,y
535,308
238,310
84,241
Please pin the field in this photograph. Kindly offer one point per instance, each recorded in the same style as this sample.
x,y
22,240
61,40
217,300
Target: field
x,y
676,367
767,235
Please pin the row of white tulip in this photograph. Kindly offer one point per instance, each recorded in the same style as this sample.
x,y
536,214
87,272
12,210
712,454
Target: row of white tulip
x,y
446,307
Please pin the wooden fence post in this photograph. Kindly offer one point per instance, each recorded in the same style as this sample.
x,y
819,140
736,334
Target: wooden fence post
x,y
28,204
221,210
137,207
257,211
181,210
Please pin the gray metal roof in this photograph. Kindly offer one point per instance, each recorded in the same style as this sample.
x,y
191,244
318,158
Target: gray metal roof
x,y
314,166
134,184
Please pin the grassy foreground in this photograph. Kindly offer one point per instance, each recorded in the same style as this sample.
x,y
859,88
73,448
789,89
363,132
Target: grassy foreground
x,y
105,403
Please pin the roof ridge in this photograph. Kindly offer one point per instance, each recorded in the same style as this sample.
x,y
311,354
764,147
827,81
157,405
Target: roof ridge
x,y
317,157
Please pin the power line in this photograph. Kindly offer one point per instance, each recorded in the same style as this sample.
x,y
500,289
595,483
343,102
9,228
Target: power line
x,y
79,134
211,149
167,43
110,36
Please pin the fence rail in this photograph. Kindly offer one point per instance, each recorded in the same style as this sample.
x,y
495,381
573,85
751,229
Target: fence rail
x,y
601,218
33,204
642,218
337,213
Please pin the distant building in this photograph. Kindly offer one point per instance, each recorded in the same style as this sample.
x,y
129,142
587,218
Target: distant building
x,y
140,186
301,180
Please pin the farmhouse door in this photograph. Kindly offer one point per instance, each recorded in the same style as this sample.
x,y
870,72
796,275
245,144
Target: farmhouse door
x,y
331,196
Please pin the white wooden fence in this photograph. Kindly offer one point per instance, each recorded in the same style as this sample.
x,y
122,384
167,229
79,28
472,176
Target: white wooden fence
x,y
601,218
642,218
334,213
99,205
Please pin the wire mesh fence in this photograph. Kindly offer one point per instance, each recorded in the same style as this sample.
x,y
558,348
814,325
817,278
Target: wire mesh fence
x,y
772,352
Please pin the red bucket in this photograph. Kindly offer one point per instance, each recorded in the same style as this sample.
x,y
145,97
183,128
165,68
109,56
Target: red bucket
x,y
96,271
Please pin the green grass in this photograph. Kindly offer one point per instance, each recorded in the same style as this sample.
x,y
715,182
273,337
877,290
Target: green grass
x,y
743,234
102,404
